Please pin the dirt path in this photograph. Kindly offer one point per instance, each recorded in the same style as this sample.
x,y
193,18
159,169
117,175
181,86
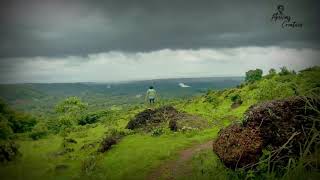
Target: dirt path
x,y
180,166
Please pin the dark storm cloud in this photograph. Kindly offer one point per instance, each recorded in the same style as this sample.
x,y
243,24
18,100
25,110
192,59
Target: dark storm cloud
x,y
57,27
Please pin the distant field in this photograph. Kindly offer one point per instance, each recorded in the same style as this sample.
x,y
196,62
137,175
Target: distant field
x,y
43,96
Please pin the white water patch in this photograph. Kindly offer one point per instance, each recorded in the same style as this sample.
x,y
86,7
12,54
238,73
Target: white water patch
x,y
183,85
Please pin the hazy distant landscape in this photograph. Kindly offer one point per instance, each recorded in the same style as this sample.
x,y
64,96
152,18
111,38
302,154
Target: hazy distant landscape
x,y
43,96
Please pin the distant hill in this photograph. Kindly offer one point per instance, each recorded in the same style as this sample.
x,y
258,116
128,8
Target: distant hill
x,y
32,96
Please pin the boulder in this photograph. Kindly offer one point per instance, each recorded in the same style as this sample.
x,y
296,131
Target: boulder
x,y
269,125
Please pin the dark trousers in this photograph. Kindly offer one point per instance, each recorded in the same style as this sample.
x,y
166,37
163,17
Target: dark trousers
x,y
151,100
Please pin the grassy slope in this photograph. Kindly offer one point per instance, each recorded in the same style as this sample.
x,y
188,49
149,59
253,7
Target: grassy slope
x,y
136,154
133,157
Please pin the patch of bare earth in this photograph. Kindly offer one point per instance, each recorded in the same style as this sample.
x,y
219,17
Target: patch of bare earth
x,y
180,166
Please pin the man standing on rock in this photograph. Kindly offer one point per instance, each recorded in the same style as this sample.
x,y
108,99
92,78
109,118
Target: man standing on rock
x,y
151,95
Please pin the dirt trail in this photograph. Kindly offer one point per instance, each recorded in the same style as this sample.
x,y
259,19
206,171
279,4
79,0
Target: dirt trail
x,y
180,166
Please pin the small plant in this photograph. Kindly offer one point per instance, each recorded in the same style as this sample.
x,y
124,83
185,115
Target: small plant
x,y
186,129
39,131
88,165
157,131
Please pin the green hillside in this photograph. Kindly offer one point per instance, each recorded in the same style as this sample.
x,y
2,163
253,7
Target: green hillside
x,y
66,144
42,97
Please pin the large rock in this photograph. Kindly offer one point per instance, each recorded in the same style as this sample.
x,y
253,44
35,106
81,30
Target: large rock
x,y
268,125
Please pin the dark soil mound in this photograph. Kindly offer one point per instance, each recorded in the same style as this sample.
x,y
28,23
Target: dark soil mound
x,y
107,143
112,137
167,116
238,146
150,116
269,125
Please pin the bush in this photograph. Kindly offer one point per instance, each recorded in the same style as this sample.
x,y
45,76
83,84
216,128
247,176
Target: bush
x,y
253,75
157,131
235,98
71,104
5,129
94,117
272,71
88,119
212,99
284,71
271,89
19,122
88,165
237,101
65,121
70,111
22,122
39,131
9,151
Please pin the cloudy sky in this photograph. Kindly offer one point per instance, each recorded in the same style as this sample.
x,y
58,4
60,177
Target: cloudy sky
x,y
112,40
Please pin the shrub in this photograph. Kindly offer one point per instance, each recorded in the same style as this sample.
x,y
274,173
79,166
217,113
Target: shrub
x,y
5,129
65,121
22,122
253,75
157,131
17,121
70,111
272,71
39,131
88,119
284,71
88,165
94,117
235,98
212,99
71,104
271,89
9,151
252,86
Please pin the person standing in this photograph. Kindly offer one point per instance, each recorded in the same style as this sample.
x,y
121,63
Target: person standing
x,y
151,95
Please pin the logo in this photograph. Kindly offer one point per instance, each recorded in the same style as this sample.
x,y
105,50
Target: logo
x,y
285,20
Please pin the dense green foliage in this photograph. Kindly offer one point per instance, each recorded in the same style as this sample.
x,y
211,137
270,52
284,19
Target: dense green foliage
x,y
64,142
254,75
14,122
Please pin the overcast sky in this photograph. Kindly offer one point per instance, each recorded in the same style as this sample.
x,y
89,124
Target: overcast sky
x,y
72,41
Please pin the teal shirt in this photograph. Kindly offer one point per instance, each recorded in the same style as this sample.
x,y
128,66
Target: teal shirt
x,y
151,93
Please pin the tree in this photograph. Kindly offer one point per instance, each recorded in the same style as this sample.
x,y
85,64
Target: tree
x,y
253,75
18,122
70,112
5,129
284,71
272,71
71,105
